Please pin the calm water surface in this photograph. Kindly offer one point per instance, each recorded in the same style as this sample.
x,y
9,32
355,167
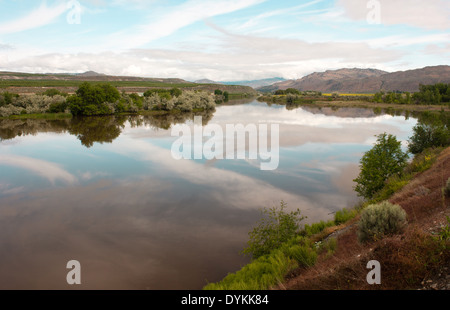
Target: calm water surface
x,y
108,193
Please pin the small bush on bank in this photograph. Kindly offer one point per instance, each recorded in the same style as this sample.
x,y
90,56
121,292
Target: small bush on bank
x,y
316,228
381,220
274,228
344,215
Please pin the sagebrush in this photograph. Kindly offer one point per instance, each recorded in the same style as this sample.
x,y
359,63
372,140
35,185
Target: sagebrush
x,y
380,220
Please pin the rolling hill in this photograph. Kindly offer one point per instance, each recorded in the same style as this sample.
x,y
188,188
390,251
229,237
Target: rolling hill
x,y
365,80
34,83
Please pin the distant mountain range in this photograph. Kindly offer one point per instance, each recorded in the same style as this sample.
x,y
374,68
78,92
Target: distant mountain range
x,y
251,83
358,81
365,80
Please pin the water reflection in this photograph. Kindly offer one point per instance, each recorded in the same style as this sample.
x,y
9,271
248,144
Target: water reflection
x,y
136,218
96,129
9,129
90,130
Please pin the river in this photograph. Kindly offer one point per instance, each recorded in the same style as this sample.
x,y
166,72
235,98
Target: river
x,y
109,193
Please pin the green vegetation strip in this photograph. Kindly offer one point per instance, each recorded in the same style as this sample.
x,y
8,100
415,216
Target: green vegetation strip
x,y
48,116
68,83
270,267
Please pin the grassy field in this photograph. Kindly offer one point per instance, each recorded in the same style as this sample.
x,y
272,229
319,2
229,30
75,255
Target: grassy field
x,y
73,83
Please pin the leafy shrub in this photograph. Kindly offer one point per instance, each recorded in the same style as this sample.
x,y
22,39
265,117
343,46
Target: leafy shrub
x,y
7,98
9,110
303,254
316,228
344,215
423,161
260,274
270,269
92,99
381,220
301,250
394,184
274,228
431,135
383,161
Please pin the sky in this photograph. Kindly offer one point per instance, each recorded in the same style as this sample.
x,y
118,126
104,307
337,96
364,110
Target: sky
x,y
222,40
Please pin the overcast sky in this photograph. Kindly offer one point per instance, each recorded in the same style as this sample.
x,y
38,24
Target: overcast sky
x,y
222,40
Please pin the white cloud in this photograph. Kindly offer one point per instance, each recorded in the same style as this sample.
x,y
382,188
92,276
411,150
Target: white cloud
x,y
7,189
404,40
212,52
178,17
234,187
239,57
434,49
40,17
430,14
6,47
134,4
88,175
48,170
287,11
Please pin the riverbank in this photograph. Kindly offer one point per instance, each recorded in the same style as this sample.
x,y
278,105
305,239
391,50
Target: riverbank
x,y
382,106
331,257
348,102
415,259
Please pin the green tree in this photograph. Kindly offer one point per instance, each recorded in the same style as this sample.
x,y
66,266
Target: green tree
x,y
137,100
434,134
7,98
408,98
176,92
384,160
378,97
75,105
274,228
292,91
110,92
226,96
92,99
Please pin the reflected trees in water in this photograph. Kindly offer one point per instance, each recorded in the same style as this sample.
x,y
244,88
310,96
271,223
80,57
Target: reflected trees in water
x,y
95,129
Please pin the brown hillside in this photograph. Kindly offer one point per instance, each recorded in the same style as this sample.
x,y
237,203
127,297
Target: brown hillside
x,y
367,80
